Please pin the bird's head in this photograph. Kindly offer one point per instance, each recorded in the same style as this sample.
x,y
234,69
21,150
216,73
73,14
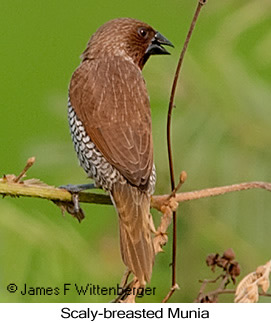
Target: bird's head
x,y
129,38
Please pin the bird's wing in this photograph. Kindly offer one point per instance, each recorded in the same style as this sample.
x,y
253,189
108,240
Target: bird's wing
x,y
111,100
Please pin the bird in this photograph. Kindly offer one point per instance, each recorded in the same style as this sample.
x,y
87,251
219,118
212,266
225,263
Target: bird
x,y
110,124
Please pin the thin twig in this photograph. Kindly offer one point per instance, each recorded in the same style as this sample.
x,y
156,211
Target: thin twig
x,y
225,278
231,291
158,201
29,163
182,179
170,159
205,282
125,277
170,293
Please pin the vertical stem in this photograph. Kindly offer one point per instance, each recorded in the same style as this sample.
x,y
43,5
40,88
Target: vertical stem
x,y
171,104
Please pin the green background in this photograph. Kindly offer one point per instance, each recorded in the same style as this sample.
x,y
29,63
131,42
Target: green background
x,y
221,135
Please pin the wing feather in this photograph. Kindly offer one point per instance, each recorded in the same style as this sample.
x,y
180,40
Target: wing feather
x,y
111,100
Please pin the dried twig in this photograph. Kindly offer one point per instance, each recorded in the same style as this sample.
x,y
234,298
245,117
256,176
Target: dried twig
x,y
158,201
170,159
29,163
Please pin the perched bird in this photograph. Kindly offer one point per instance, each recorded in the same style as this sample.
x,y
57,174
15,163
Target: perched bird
x,y
110,123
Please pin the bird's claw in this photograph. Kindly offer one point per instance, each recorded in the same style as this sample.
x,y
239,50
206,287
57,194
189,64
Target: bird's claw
x,y
75,200
75,209
75,189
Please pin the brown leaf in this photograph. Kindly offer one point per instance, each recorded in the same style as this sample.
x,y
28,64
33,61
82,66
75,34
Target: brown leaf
x,y
36,181
212,259
223,263
234,270
229,254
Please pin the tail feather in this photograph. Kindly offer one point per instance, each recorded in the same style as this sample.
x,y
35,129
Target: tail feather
x,y
136,244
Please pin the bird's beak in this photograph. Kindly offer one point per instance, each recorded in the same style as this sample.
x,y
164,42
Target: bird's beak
x,y
155,47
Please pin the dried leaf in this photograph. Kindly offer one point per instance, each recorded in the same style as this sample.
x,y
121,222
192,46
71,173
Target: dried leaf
x,y
252,295
248,289
9,178
260,271
36,181
264,271
229,254
223,263
234,270
264,284
211,260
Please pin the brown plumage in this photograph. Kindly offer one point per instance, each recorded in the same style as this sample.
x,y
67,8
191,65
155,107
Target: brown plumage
x,y
109,108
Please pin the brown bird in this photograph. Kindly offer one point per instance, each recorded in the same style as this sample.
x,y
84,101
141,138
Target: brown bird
x,y
110,124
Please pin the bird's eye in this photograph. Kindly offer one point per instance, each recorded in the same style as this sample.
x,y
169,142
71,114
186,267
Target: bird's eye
x,y
142,32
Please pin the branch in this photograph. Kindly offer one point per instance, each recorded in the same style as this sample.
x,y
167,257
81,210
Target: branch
x,y
37,189
158,201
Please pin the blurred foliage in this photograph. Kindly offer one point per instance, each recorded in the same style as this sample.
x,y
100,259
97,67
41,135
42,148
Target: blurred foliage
x,y
221,135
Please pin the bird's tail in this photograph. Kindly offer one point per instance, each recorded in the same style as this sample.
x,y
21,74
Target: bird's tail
x,y
136,244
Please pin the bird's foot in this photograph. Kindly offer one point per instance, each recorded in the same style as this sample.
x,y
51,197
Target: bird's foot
x,y
74,207
75,189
